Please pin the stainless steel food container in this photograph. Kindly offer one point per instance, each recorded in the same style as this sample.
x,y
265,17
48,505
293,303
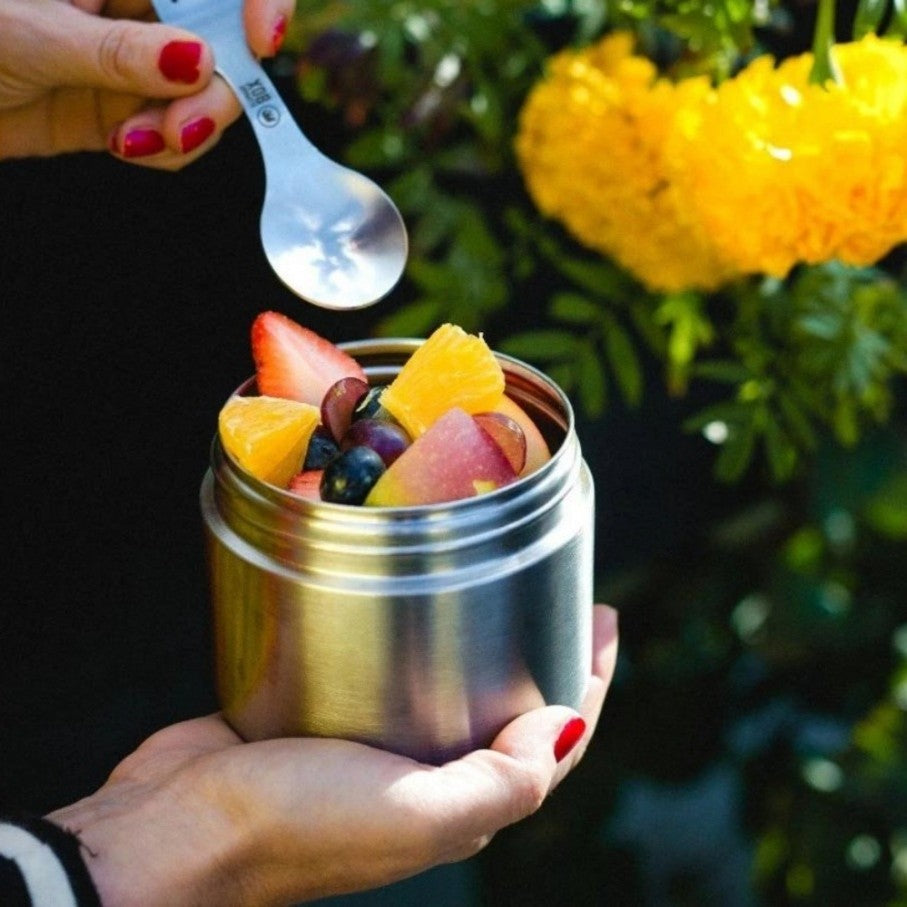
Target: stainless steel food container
x,y
420,630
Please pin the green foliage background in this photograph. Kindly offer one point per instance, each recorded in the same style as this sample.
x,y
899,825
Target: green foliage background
x,y
768,653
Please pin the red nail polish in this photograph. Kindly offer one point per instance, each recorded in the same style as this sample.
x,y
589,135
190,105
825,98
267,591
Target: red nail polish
x,y
569,737
142,142
194,133
280,32
179,61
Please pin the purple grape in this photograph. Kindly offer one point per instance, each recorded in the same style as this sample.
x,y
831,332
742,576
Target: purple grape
x,y
508,435
387,439
349,478
338,405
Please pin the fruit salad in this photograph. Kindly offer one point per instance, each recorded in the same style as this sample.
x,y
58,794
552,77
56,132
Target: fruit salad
x,y
441,431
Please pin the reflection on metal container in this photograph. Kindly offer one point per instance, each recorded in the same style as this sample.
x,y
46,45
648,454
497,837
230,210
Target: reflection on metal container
x,y
420,630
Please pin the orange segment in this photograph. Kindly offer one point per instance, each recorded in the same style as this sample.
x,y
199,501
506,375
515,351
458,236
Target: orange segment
x,y
452,368
267,436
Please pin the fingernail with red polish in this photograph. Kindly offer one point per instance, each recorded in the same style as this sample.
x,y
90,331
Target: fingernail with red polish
x,y
279,33
569,737
179,61
142,142
195,132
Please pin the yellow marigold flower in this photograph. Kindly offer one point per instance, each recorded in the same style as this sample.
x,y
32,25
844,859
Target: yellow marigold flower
x,y
592,146
781,171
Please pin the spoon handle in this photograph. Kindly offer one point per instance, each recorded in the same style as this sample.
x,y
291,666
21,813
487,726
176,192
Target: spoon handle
x,y
220,23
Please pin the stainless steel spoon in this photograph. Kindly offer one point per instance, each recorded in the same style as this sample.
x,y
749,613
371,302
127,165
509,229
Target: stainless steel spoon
x,y
331,235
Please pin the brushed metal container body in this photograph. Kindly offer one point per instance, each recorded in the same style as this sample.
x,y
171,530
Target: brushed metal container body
x,y
420,630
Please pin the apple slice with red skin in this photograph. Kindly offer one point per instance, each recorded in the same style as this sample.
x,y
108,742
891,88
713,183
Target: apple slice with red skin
x,y
454,459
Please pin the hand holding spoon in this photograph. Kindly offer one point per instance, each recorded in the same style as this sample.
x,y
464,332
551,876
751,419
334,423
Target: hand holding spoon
x,y
331,235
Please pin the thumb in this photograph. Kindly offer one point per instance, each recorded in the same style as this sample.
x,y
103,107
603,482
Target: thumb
x,y
65,46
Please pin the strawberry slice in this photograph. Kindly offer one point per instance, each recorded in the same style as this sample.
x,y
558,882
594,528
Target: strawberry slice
x,y
307,484
293,362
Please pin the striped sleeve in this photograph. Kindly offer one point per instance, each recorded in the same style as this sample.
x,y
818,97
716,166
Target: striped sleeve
x,y
13,890
41,866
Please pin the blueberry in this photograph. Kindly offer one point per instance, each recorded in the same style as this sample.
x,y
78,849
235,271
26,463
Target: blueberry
x,y
322,449
348,478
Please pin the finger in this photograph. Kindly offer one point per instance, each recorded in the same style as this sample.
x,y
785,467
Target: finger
x,y
197,122
489,789
207,733
266,24
173,744
64,45
171,136
69,119
486,790
604,643
604,660
140,139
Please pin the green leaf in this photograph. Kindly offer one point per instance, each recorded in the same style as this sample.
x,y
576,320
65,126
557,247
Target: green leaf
x,y
897,28
524,264
593,15
886,510
868,17
564,375
432,277
540,345
726,371
464,158
796,421
845,423
574,308
736,453
689,329
781,453
624,362
825,325
600,278
804,549
411,188
591,380
476,238
643,317
313,86
374,150
432,230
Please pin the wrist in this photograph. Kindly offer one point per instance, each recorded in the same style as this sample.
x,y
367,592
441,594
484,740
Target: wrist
x,y
147,847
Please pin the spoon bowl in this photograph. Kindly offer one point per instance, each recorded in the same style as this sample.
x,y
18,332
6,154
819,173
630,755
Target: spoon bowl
x,y
331,235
